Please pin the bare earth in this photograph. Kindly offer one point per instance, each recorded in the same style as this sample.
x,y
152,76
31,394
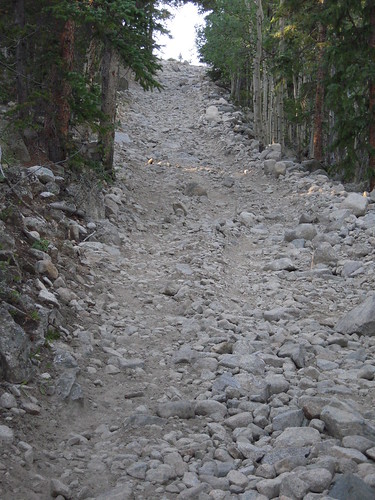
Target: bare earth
x,y
202,326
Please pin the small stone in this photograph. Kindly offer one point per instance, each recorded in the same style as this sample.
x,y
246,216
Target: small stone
x,y
317,424
48,268
190,479
317,479
312,406
240,420
277,384
161,475
236,477
137,470
248,219
348,454
174,459
359,443
287,458
209,407
289,418
8,401
280,264
181,409
6,434
269,487
302,231
298,437
59,488
43,174
212,114
31,408
171,289
194,189
293,487
112,370
267,471
48,298
279,168
367,372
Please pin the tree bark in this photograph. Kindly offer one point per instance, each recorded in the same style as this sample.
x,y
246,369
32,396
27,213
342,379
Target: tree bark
x,y
67,54
257,100
319,98
58,112
372,103
19,18
110,68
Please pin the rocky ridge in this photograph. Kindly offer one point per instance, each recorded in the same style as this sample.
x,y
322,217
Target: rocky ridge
x,y
210,319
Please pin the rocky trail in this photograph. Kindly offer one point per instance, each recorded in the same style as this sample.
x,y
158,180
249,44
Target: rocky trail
x,y
222,334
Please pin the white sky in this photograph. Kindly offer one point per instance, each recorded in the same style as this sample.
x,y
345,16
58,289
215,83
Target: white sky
x,y
182,28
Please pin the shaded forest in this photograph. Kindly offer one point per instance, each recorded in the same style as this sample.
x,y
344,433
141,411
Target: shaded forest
x,y
305,69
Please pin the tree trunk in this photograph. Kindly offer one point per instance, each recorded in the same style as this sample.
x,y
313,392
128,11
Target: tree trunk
x,y
110,68
63,106
257,78
51,137
19,10
319,98
57,116
372,104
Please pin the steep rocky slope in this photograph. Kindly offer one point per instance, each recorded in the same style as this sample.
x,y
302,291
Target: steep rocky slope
x,y
211,319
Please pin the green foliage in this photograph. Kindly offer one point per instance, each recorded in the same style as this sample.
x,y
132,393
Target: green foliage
x,y
353,66
85,102
14,296
41,244
34,316
51,335
226,42
301,40
6,213
36,51
128,27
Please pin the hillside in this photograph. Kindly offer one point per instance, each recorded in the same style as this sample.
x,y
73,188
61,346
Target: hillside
x,y
202,328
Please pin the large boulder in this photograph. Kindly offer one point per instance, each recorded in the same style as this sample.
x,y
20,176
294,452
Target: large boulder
x,y
15,365
356,203
350,487
360,320
212,114
341,422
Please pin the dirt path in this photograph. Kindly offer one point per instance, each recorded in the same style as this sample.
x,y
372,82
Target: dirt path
x,y
205,332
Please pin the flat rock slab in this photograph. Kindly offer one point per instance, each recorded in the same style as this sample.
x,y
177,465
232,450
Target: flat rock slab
x,y
360,320
298,437
340,423
350,487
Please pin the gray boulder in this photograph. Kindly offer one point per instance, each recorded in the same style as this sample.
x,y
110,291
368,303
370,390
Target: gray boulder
x,y
356,203
43,174
302,231
350,487
107,233
360,320
15,366
180,409
342,422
